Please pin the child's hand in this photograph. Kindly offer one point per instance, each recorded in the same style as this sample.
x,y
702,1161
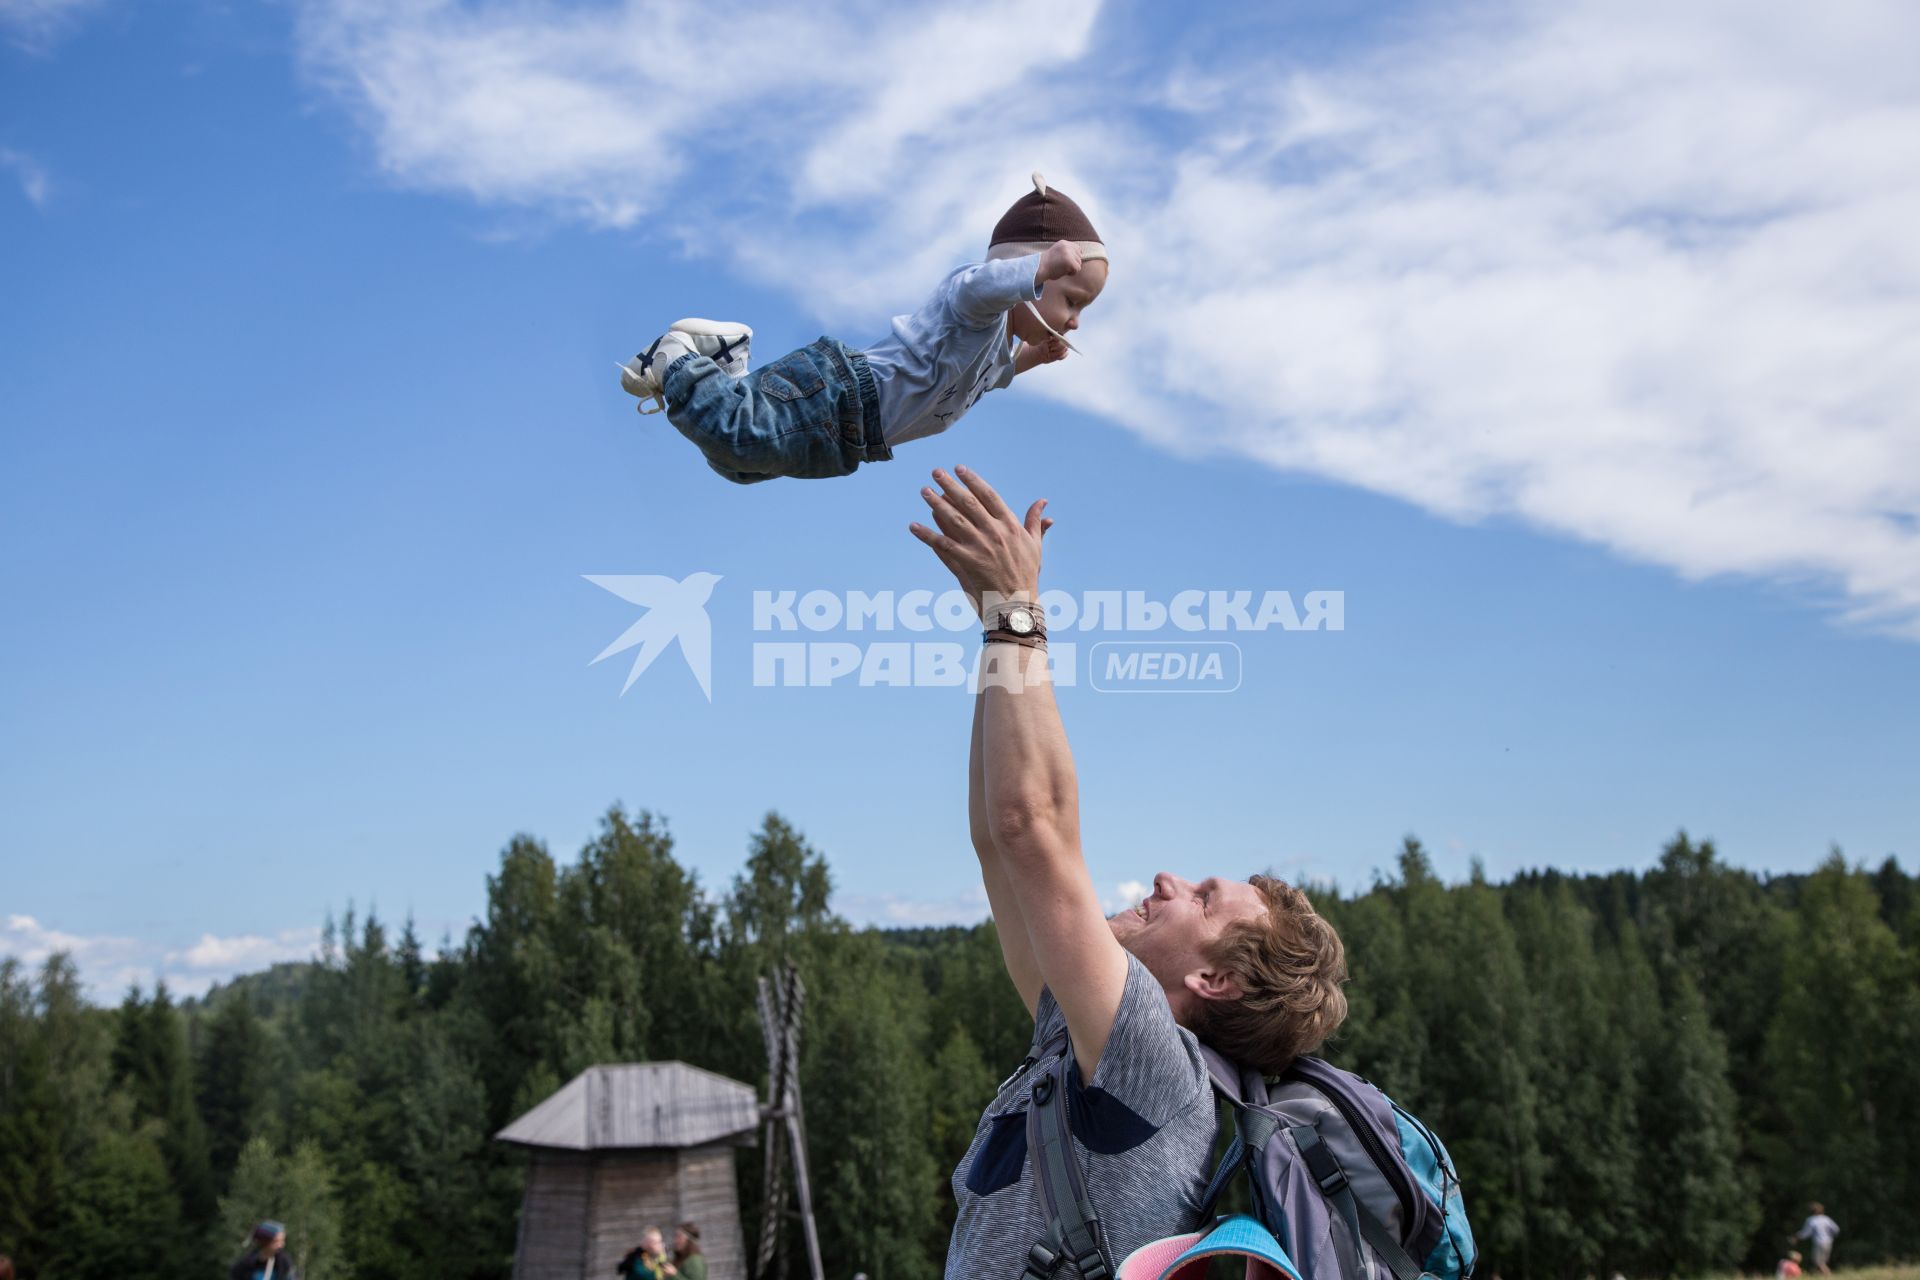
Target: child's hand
x,y
1032,355
1060,260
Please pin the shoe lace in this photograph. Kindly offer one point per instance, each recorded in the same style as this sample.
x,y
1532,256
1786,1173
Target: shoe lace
x,y
641,371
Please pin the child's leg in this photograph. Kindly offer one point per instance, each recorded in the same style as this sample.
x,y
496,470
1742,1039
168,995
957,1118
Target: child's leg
x,y
812,413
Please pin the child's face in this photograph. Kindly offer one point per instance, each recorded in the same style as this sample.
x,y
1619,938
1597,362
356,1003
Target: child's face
x,y
1061,302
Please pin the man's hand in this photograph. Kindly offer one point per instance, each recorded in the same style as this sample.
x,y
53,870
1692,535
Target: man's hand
x,y
989,551
1062,258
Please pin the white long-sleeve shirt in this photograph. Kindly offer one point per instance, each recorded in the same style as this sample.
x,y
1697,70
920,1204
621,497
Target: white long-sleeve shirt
x,y
933,364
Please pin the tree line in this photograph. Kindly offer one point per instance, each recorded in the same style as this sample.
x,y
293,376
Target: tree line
x,y
1648,1073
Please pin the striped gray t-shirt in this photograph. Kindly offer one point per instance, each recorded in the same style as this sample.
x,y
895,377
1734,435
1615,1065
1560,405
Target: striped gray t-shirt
x,y
1143,1127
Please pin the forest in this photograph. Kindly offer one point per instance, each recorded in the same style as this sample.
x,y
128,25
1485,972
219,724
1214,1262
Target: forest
x,y
1644,1072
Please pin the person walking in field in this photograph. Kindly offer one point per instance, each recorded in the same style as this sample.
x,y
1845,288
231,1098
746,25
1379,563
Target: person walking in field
x,y
1818,1231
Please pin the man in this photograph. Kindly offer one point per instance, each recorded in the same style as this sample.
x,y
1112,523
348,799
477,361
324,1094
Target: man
x,y
1247,964
265,1258
1819,1230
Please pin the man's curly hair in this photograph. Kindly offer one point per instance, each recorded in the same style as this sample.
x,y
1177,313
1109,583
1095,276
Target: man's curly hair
x,y
1290,964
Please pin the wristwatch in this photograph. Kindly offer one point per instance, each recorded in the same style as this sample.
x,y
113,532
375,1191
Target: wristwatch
x,y
1017,620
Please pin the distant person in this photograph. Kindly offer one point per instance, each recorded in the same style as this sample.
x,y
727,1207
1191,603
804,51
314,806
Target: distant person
x,y
265,1258
1789,1267
1819,1230
647,1260
686,1252
6,1267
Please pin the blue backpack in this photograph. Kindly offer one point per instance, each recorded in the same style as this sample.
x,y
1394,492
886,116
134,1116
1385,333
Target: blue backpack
x,y
1351,1184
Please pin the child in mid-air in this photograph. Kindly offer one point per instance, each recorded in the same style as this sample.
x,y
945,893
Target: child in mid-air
x,y
826,408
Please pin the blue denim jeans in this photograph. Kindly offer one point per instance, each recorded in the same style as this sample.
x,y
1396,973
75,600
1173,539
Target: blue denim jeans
x,y
812,413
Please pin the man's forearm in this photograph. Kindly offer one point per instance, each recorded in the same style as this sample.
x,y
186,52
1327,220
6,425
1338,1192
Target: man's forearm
x,y
1030,781
1016,945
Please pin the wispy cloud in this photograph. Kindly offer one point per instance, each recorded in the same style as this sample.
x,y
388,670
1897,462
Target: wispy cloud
x,y
109,964
1632,273
891,911
34,183
37,25
1126,894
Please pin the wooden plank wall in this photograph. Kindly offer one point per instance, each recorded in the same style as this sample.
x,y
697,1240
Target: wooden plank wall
x,y
709,1196
634,1190
553,1217
583,1212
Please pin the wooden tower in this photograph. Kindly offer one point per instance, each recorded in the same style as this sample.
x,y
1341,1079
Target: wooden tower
x,y
623,1148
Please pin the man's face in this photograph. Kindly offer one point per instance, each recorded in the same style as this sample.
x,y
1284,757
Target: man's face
x,y
274,1246
651,1242
1173,930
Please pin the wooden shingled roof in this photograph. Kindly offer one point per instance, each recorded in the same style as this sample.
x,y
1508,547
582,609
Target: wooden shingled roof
x,y
638,1104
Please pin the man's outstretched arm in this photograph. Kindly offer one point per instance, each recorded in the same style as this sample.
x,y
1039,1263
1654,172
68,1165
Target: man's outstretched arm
x,y
1031,795
1016,949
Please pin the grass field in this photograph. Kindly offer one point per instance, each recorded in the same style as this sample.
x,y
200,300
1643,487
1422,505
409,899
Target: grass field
x,y
1899,1271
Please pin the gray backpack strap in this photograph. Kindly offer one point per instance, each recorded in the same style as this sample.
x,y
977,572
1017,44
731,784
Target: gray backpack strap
x,y
1073,1224
1245,1090
1326,1170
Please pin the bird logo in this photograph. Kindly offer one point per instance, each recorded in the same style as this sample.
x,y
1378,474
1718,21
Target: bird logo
x,y
674,611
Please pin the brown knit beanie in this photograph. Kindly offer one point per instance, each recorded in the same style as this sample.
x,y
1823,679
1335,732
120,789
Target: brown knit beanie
x,y
1039,218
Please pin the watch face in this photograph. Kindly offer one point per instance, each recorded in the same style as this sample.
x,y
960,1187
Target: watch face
x,y
1019,621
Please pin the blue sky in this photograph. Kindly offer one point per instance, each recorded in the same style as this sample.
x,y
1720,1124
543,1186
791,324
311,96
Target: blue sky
x,y
1575,345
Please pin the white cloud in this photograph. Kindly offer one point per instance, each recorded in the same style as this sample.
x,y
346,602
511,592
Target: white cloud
x,y
33,178
597,111
109,964
890,911
1127,894
35,25
243,953
1633,273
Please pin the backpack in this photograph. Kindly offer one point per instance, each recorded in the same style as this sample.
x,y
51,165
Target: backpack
x,y
1351,1185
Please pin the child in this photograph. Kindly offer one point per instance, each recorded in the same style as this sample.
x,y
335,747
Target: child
x,y
826,408
1789,1268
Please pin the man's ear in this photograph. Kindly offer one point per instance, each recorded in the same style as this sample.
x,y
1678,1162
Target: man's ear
x,y
1215,984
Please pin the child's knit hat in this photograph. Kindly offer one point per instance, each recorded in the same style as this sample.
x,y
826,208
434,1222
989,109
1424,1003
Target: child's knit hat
x,y
1039,218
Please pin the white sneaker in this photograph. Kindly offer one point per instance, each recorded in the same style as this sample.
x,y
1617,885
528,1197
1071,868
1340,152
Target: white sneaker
x,y
725,343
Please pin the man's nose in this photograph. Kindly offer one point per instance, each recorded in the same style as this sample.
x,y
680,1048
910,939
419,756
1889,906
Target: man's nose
x,y
1166,885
